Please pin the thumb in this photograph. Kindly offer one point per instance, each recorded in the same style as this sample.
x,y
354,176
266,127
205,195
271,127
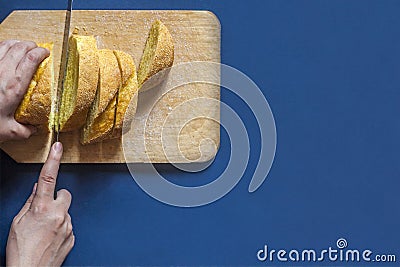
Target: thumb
x,y
17,131
27,205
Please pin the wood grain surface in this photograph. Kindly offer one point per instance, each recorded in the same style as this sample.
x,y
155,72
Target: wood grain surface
x,y
174,125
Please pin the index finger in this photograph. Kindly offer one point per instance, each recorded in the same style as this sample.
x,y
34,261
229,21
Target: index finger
x,y
16,53
48,175
5,46
29,64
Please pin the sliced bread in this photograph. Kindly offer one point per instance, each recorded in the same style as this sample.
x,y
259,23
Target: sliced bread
x,y
80,84
127,95
158,55
100,120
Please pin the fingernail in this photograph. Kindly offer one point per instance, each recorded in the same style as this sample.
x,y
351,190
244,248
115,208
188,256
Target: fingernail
x,y
58,147
34,188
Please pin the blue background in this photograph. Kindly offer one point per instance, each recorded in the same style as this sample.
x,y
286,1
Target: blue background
x,y
330,71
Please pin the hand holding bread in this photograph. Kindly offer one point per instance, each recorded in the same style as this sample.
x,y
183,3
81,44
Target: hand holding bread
x,y
18,63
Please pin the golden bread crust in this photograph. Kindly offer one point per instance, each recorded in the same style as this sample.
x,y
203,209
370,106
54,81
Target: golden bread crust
x,y
101,128
162,56
36,104
110,79
100,121
127,95
126,65
86,84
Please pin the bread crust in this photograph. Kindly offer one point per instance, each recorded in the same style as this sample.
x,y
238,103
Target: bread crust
x,y
36,105
100,121
101,128
88,69
127,95
110,79
163,57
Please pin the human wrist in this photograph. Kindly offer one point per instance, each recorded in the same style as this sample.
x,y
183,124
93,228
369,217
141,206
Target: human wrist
x,y
21,263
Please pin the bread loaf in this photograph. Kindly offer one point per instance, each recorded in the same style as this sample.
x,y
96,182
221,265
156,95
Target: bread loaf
x,y
36,104
99,86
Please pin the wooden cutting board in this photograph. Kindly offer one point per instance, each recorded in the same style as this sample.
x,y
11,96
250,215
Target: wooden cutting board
x,y
196,37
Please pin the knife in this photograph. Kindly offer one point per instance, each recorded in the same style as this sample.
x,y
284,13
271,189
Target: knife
x,y
63,70
61,76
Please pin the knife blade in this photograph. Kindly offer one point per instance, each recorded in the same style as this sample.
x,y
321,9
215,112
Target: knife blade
x,y
63,71
61,77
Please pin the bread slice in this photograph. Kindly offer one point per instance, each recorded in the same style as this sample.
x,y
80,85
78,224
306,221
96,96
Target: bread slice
x,y
101,116
158,55
127,95
36,104
80,84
